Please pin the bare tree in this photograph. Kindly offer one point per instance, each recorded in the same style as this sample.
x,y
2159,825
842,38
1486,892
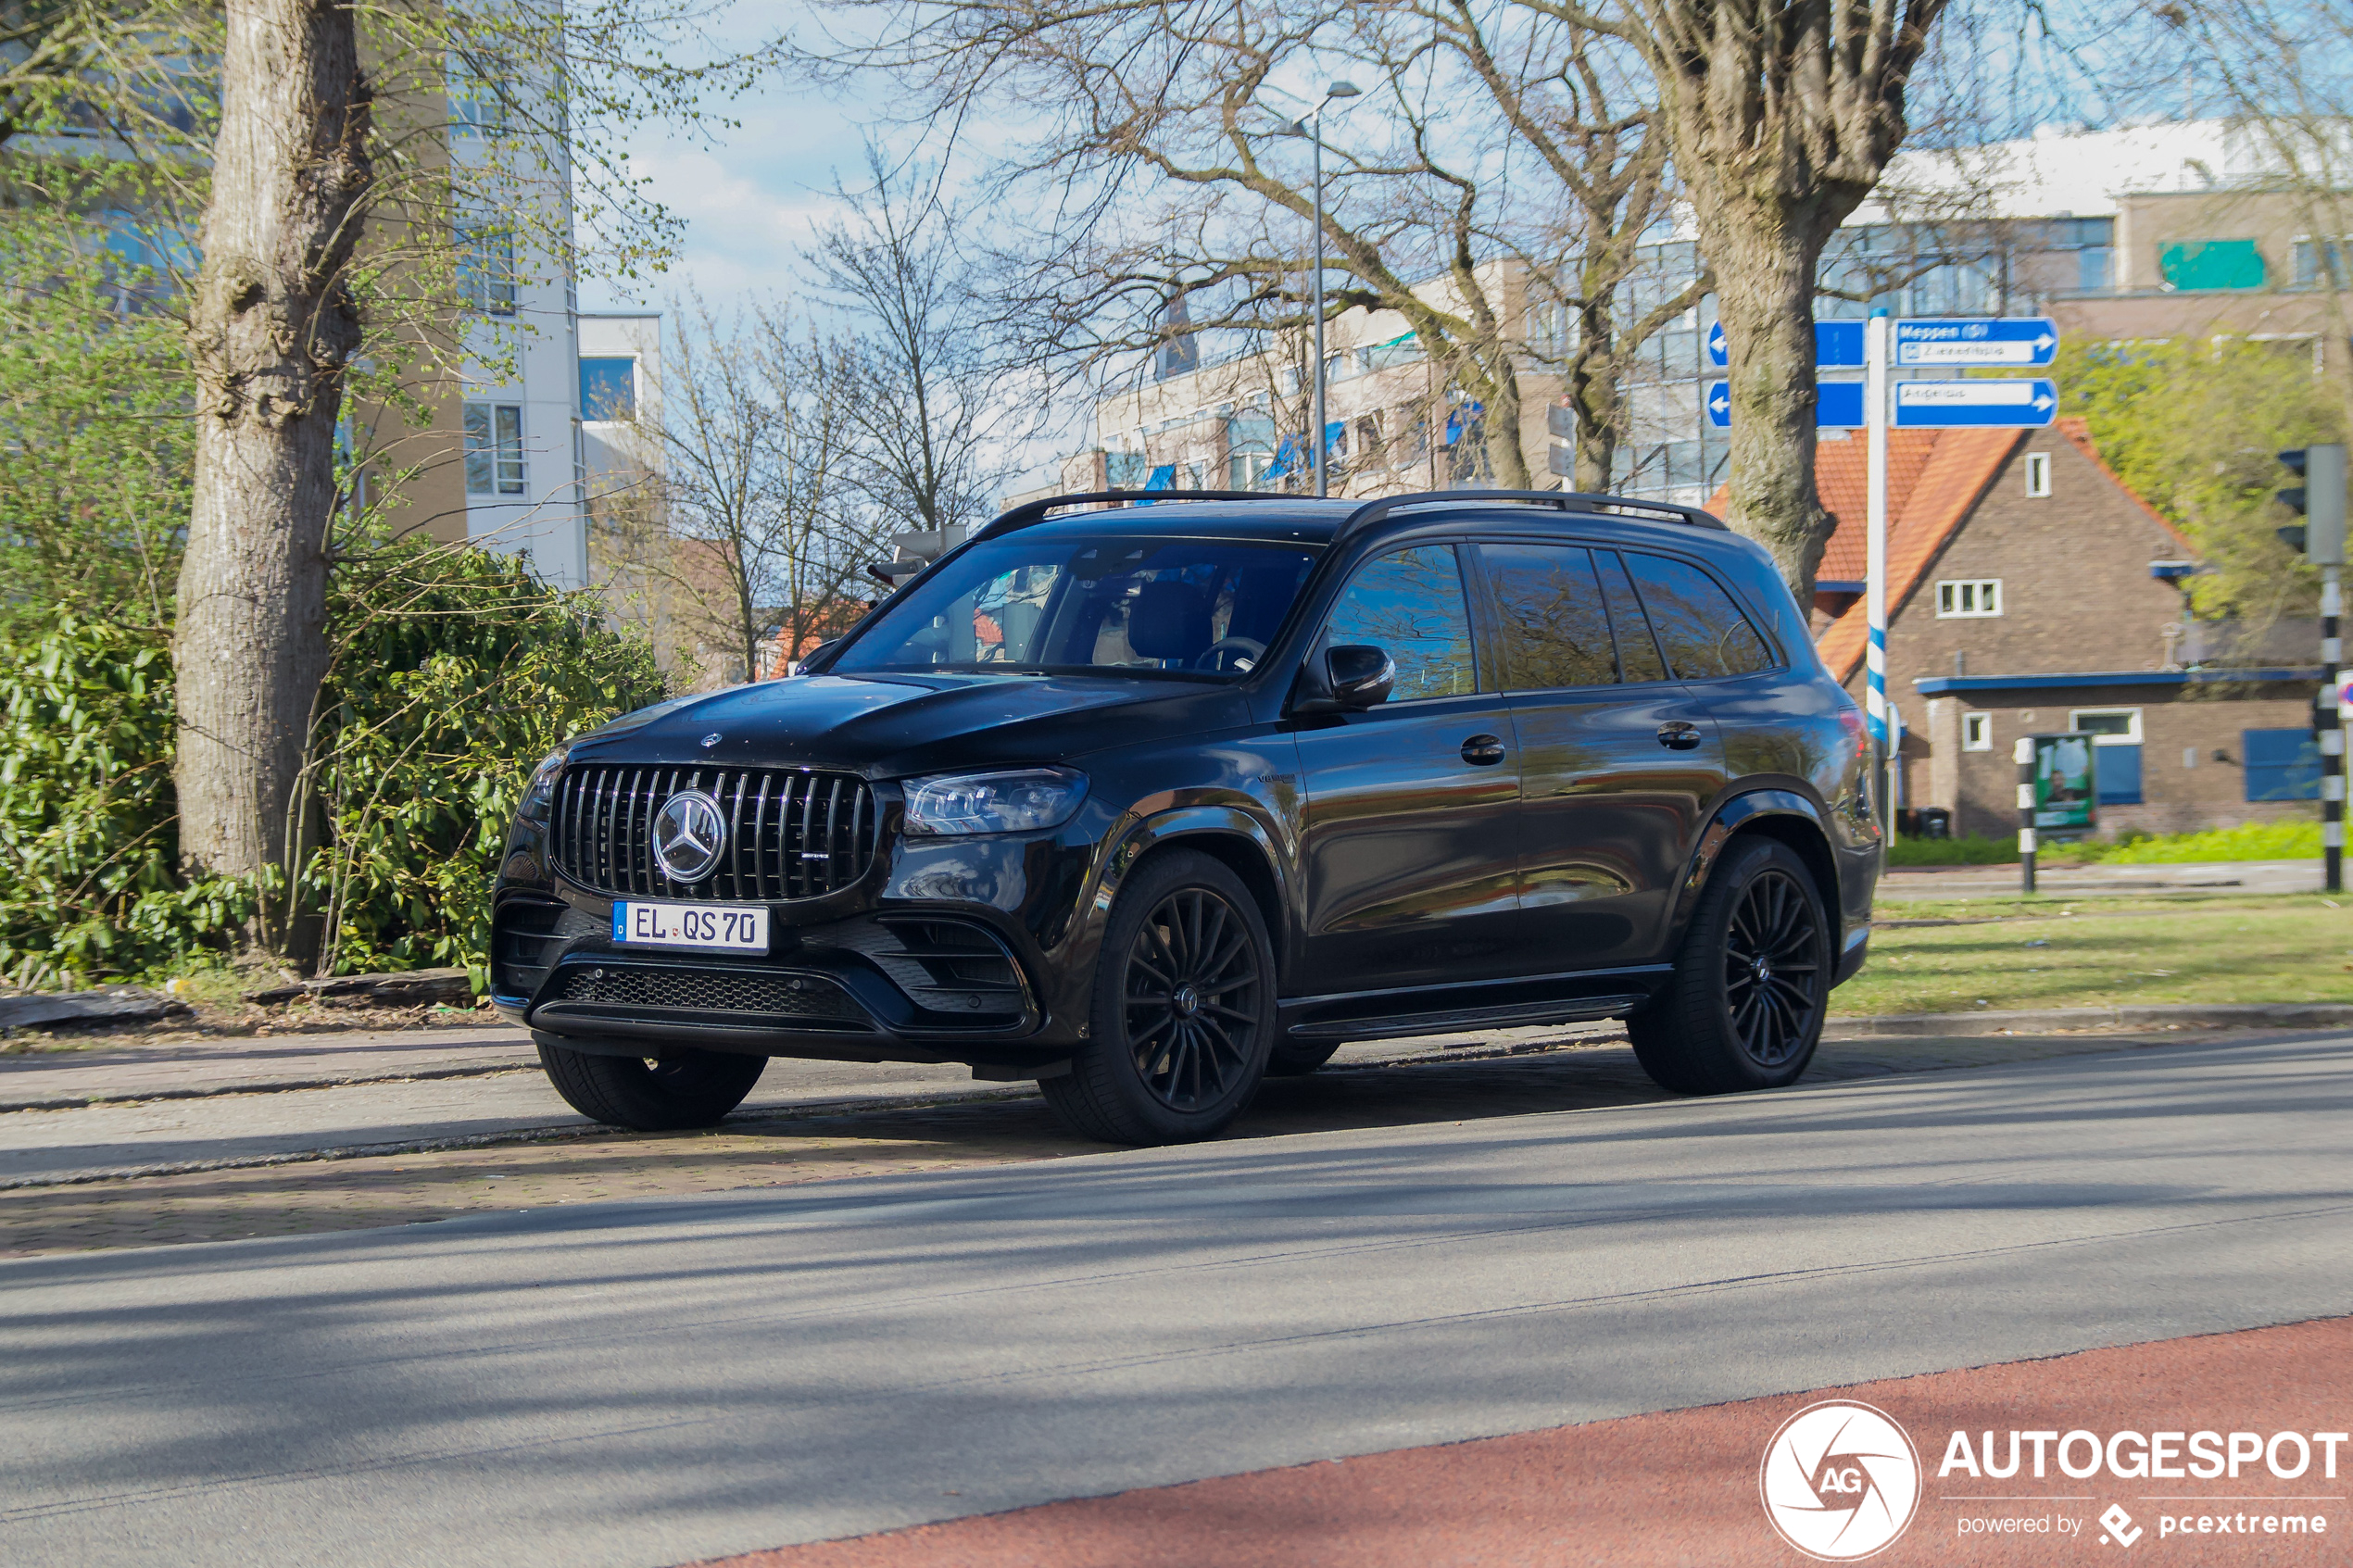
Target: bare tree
x,y
927,411
1781,115
759,538
1174,173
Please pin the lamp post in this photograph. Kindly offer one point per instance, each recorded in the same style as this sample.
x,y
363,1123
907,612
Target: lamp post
x,y
1312,127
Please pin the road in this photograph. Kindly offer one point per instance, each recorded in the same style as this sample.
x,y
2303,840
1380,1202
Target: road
x,y
652,1382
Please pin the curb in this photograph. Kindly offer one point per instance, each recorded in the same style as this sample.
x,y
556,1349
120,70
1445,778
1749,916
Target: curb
x,y
2232,1015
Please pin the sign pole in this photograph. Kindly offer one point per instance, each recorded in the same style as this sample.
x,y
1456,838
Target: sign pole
x,y
1875,567
2326,721
2025,752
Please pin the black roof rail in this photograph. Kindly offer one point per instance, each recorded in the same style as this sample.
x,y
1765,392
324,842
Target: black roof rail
x,y
1029,512
1567,500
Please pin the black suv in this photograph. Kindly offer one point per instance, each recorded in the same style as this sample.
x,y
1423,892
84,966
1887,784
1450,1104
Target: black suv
x,y
1145,799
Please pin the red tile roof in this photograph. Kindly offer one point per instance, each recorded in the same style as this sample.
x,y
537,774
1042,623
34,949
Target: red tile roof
x,y
1934,479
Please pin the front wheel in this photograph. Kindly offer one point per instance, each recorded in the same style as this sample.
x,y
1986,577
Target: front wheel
x,y
1744,1010
675,1091
1184,1010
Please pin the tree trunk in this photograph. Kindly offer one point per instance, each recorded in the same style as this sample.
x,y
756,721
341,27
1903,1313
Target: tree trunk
x,y
1765,275
272,327
1593,395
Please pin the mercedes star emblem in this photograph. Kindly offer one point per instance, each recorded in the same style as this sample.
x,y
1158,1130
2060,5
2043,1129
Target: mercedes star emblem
x,y
711,739
689,835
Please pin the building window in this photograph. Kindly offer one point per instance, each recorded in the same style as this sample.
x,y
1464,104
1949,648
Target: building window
x,y
1977,732
486,267
1980,596
494,449
2319,263
478,93
2116,735
608,388
2038,476
2280,764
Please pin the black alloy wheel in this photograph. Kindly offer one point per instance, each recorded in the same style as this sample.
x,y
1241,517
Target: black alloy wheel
x,y
1772,978
1184,1012
1751,986
1191,999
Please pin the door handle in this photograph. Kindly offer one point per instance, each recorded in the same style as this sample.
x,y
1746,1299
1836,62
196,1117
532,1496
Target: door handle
x,y
1678,736
1482,751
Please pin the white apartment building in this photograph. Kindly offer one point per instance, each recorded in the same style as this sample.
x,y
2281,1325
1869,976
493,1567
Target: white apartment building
x,y
519,418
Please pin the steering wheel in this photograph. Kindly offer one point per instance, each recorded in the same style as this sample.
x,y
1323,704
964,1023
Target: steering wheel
x,y
1247,651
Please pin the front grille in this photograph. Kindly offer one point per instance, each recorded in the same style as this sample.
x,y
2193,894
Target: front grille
x,y
709,990
790,834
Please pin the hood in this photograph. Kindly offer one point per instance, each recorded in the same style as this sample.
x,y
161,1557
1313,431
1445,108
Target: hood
x,y
892,726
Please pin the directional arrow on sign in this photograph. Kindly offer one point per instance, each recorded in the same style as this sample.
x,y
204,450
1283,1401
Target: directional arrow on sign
x,y
1838,404
1976,340
1945,405
1838,345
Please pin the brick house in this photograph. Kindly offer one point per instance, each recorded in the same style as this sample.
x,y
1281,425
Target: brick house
x,y
2030,590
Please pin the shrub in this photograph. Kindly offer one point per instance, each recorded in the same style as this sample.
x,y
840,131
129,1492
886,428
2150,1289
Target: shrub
x,y
455,673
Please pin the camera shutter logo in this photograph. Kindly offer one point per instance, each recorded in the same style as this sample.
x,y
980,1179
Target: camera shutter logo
x,y
1840,1481
689,835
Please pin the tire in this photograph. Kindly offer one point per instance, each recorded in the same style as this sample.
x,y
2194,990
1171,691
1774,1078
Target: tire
x,y
1288,1060
1183,1015
679,1089
1744,1008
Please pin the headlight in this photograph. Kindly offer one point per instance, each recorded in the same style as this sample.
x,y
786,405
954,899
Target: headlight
x,y
542,787
1026,801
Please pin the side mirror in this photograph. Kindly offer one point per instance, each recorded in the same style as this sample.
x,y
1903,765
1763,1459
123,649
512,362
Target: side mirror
x,y
1360,675
1345,679
800,666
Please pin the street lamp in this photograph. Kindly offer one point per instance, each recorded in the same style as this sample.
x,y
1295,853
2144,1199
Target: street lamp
x,y
1312,127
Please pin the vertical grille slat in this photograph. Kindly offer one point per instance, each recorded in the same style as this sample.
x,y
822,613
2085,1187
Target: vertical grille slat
x,y
792,834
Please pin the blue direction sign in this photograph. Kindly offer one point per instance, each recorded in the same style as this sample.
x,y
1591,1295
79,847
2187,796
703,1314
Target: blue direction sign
x,y
1838,404
1980,340
1941,405
1838,345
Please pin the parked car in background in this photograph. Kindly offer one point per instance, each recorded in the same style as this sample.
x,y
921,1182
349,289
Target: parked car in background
x,y
1146,802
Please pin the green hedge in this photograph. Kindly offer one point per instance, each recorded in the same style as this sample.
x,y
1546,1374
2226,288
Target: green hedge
x,y
454,673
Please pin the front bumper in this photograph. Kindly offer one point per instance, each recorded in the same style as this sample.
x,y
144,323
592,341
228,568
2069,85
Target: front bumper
x,y
953,951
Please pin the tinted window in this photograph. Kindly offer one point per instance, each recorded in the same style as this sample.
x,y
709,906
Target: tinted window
x,y
1411,604
1701,630
1053,602
1556,628
1636,653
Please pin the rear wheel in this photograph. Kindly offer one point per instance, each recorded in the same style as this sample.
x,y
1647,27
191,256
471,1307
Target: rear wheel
x,y
677,1089
1184,1010
1752,984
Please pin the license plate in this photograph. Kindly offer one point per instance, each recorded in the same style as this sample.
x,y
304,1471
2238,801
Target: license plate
x,y
715,926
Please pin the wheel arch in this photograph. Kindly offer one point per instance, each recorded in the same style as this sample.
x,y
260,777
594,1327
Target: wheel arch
x,y
1780,814
1233,838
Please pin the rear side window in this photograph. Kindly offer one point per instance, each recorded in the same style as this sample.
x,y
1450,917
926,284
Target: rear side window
x,y
1411,605
1636,653
1703,633
1555,626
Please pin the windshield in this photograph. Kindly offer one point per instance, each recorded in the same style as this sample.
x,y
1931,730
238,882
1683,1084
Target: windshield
x,y
1034,602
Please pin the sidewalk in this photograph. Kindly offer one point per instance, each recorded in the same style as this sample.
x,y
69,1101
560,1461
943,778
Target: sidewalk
x,y
1913,884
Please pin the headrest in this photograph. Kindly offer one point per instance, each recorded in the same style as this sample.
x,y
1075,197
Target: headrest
x,y
1169,620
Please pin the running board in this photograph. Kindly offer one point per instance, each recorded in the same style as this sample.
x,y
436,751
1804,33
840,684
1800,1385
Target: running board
x,y
1584,1009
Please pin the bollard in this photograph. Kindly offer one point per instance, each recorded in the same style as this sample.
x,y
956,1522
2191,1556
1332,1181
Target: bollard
x,y
2025,752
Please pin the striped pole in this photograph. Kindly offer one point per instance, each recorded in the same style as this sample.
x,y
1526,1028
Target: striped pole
x,y
2025,752
1875,560
2329,732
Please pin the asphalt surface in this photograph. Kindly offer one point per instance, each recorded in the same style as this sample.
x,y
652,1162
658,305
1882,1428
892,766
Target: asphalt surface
x,y
648,1383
